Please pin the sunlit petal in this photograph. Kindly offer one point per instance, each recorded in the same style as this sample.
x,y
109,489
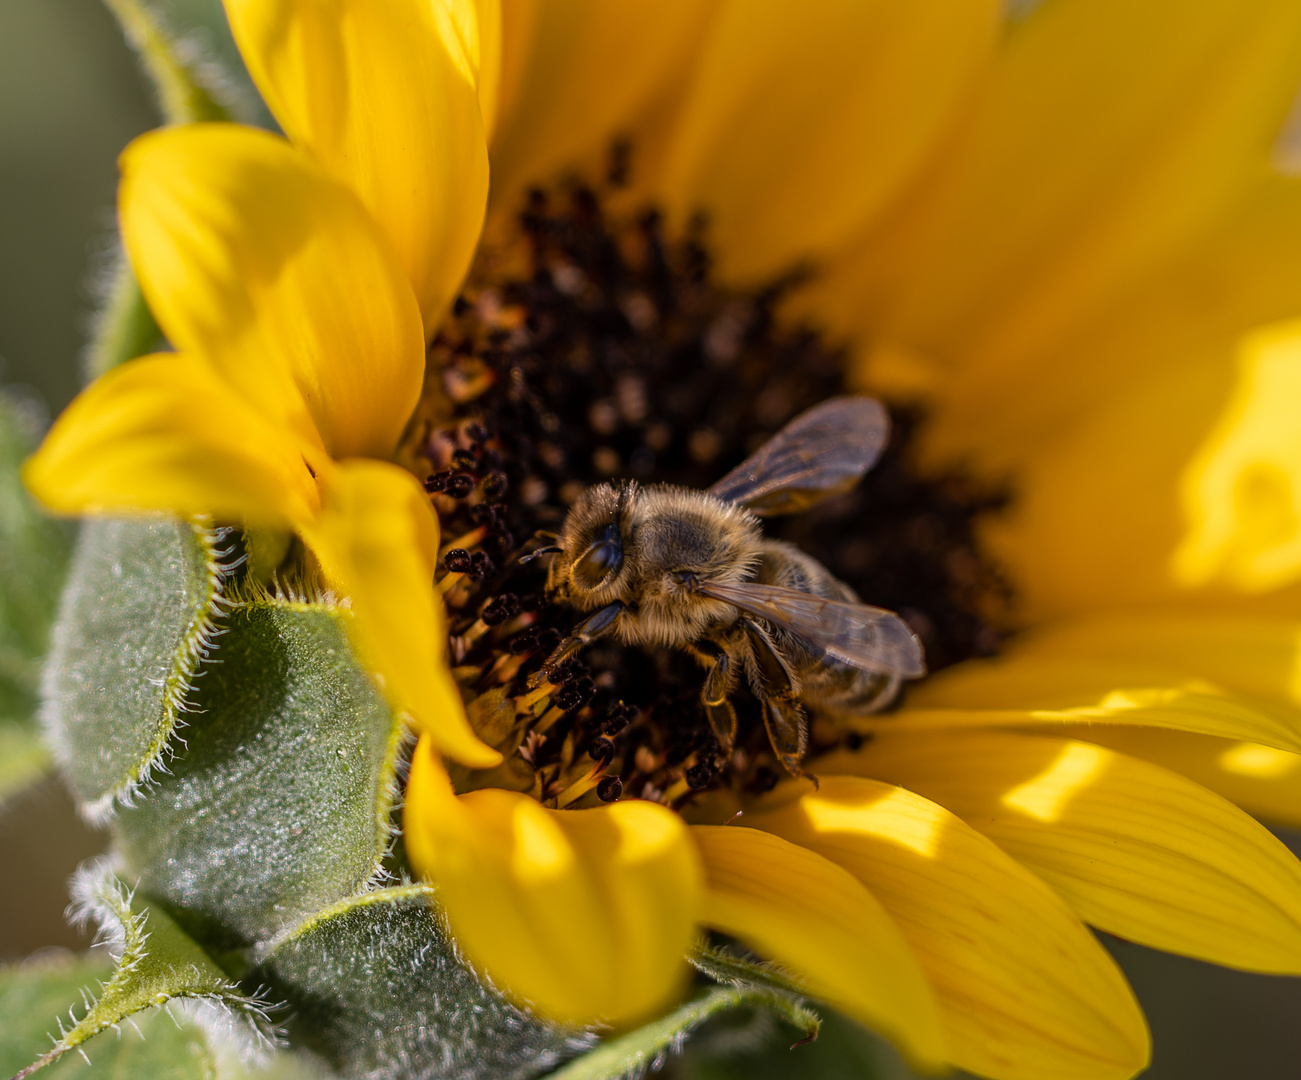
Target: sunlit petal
x,y
1134,849
253,258
585,914
577,73
1046,683
1025,991
385,97
1263,780
819,922
811,119
377,540
166,433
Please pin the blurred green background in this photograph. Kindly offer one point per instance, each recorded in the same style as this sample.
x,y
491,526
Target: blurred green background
x,y
70,98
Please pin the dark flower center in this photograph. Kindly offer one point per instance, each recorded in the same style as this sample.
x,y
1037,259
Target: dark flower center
x,y
588,349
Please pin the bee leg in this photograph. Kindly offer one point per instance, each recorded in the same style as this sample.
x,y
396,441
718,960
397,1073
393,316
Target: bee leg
x,y
784,719
788,731
722,717
587,631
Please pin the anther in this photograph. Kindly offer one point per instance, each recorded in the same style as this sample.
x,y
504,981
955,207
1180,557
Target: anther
x,y
495,485
459,485
609,789
500,609
438,482
618,718
463,460
482,565
526,641
459,561
602,750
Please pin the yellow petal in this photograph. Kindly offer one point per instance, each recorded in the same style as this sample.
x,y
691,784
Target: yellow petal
x,y
1263,780
377,540
819,922
577,73
1134,849
166,433
1083,168
385,97
1256,658
1048,688
1025,991
489,84
1242,491
803,124
254,259
586,915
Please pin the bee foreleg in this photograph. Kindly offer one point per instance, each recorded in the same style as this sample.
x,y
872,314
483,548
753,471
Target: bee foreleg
x,y
587,631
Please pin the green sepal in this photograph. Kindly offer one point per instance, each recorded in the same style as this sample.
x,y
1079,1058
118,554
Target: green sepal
x,y
155,963
137,618
377,988
279,802
186,49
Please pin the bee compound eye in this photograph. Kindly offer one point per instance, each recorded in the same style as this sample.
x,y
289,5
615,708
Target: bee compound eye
x,y
598,562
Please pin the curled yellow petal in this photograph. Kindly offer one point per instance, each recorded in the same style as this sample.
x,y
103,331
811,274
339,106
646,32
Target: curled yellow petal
x,y
803,123
377,540
254,259
166,433
1025,991
1134,849
585,915
385,96
821,924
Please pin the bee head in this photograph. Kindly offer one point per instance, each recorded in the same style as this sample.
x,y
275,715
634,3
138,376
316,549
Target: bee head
x,y
592,545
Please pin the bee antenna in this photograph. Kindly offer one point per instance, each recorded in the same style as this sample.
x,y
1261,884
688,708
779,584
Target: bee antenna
x,y
540,551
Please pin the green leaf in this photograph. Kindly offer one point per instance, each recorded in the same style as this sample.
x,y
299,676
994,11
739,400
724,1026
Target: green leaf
x,y
376,988
136,619
33,562
279,802
155,964
646,1048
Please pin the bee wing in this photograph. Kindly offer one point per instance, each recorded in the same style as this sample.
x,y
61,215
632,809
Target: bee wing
x,y
822,452
869,638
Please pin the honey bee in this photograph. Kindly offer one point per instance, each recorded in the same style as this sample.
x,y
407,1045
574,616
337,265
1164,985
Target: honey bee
x,y
679,568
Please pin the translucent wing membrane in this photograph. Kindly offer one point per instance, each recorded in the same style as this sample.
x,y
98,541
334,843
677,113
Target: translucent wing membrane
x,y
822,452
863,637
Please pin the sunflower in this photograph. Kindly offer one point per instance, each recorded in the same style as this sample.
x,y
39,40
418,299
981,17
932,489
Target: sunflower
x,y
1072,259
